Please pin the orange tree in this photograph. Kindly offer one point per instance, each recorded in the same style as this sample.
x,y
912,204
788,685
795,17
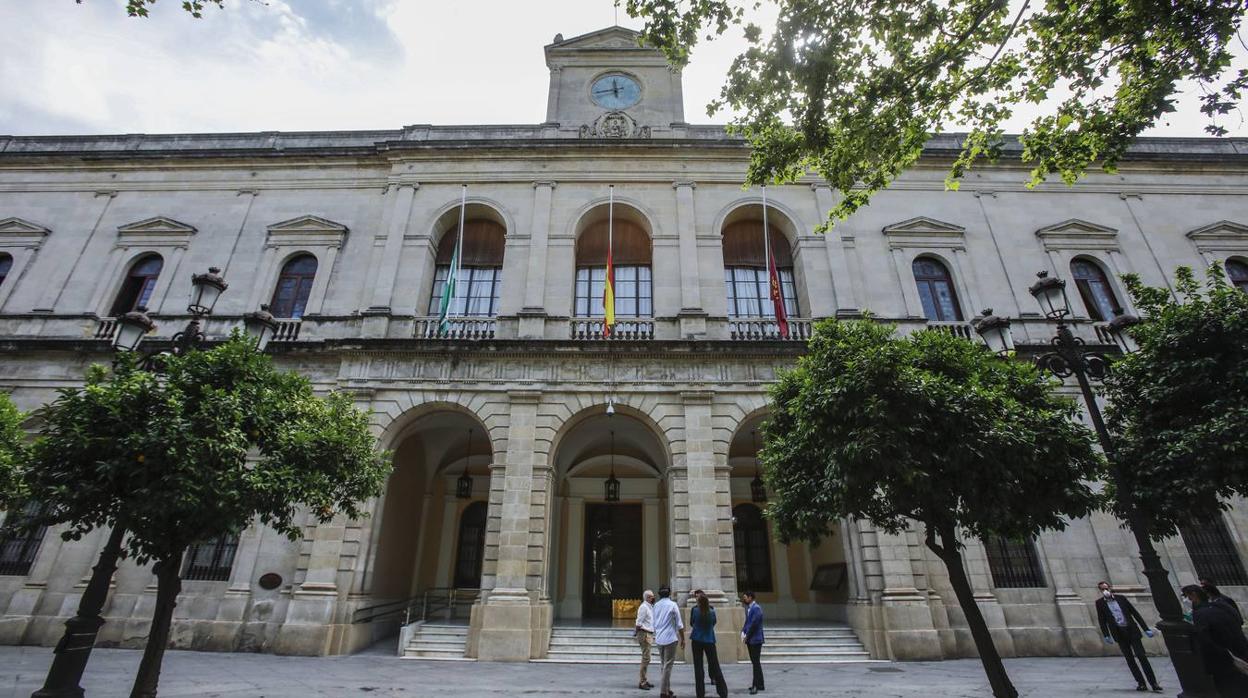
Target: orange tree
x,y
927,430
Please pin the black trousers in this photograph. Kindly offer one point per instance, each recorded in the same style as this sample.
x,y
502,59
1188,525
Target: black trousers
x,y
712,668
1132,648
755,651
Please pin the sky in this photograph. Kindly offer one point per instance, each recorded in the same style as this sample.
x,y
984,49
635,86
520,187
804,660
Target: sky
x,y
295,65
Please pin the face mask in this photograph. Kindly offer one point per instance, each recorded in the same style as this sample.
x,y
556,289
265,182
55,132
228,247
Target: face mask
x,y
1106,593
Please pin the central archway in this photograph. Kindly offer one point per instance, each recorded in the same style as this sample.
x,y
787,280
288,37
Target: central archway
x,y
608,552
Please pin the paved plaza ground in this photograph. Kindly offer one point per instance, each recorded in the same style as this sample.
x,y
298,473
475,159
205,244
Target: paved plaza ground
x,y
376,673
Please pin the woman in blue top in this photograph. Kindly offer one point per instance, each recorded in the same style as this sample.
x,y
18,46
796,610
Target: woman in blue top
x,y
702,620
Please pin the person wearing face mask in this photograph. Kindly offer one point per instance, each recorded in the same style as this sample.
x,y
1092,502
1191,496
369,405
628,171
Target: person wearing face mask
x,y
1221,641
1122,624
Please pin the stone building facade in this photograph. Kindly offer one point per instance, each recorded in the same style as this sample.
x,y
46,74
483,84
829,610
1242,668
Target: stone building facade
x,y
500,429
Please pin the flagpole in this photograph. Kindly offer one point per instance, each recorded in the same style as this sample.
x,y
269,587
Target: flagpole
x,y
459,247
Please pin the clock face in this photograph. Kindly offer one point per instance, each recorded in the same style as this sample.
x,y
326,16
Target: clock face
x,y
615,92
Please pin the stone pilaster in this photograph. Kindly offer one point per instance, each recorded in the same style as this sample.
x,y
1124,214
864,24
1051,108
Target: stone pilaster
x,y
692,316
906,624
511,613
398,209
838,264
533,314
705,535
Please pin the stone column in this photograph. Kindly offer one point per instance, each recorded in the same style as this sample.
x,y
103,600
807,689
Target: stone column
x,y
422,539
533,314
906,629
446,543
784,587
507,618
703,537
398,208
575,551
649,529
308,629
692,316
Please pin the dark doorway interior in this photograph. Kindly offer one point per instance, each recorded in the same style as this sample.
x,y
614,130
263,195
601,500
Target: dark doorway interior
x,y
612,556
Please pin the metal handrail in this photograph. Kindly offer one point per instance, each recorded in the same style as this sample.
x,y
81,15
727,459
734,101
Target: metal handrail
x,y
418,608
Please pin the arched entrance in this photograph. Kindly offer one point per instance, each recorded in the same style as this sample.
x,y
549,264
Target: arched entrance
x,y
431,535
796,581
608,552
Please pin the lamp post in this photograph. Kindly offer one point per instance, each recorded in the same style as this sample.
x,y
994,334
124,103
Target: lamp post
x,y
1070,356
70,657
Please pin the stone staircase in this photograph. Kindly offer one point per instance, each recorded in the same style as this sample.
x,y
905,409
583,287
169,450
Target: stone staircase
x,y
820,644
441,642
590,645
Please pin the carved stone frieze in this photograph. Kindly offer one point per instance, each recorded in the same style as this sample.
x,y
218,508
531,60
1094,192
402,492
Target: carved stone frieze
x,y
614,124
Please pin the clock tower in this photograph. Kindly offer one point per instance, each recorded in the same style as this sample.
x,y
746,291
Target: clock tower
x,y
605,85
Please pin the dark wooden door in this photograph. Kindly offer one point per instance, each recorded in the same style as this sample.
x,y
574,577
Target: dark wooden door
x,y
612,556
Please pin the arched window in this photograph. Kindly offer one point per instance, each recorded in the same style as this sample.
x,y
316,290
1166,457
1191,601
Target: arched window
x,y
480,270
1094,289
137,288
753,548
290,298
6,265
745,270
630,261
940,300
471,550
1236,271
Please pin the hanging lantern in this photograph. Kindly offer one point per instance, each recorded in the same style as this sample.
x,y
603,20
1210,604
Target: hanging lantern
x,y
758,489
612,484
463,486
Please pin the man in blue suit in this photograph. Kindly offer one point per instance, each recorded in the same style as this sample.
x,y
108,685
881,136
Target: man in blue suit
x,y
752,636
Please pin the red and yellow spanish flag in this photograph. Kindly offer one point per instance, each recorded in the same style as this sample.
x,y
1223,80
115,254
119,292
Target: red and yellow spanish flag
x,y
608,288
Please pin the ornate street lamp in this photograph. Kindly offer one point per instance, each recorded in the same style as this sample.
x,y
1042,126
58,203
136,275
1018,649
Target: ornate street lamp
x,y
260,326
995,331
1120,327
1050,293
131,328
758,489
205,290
463,485
612,485
1070,356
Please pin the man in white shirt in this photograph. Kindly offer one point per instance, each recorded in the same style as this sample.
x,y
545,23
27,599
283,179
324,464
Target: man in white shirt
x,y
668,630
644,633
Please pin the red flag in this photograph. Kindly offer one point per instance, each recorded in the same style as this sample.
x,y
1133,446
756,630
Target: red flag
x,y
777,298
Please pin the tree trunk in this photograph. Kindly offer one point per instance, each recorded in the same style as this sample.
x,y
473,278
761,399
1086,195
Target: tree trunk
x,y
947,551
168,586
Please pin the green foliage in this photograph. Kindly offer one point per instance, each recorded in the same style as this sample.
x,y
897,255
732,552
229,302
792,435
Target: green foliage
x,y
1178,407
928,427
138,8
12,452
852,89
216,440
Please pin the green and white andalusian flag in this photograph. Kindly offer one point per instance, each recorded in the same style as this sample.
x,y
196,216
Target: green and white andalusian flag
x,y
452,274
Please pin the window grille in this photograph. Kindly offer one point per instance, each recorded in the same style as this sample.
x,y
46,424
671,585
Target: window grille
x,y
1014,563
753,549
1213,553
211,560
19,547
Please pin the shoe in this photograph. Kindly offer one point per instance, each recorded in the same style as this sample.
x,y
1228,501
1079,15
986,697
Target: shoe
x,y
753,690
1141,687
1157,688
644,686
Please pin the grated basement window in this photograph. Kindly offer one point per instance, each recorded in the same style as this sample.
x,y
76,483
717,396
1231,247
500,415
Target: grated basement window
x,y
1213,553
18,548
211,560
1014,563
